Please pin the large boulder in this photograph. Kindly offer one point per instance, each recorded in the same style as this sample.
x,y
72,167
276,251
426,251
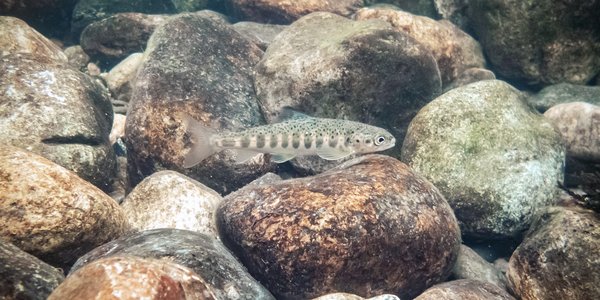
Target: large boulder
x,y
52,109
496,160
539,42
559,258
198,66
369,226
48,211
329,66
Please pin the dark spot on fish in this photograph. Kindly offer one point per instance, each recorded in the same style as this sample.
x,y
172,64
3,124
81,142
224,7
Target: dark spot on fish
x,y
307,141
228,143
319,142
260,141
284,142
245,142
273,142
296,142
333,142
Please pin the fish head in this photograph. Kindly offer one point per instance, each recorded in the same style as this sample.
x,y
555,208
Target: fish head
x,y
372,139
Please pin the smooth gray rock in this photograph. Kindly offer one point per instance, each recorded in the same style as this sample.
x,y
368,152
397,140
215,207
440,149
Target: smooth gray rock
x,y
203,254
564,93
465,289
540,42
495,159
24,276
559,258
198,66
260,34
469,265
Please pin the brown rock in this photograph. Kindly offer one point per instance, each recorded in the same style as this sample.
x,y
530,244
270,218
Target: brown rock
x,y
202,67
24,276
358,228
465,289
17,38
129,277
112,39
167,199
579,126
559,258
285,12
454,50
51,213
78,59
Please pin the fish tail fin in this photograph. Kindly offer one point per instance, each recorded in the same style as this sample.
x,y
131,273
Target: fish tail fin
x,y
201,146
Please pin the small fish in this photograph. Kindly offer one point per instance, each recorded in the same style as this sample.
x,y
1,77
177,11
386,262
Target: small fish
x,y
330,139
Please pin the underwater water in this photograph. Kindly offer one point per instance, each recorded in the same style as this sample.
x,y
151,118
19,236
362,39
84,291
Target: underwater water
x,y
236,149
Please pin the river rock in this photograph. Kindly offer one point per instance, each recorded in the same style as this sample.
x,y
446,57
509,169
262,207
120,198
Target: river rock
x,y
87,12
579,127
167,199
453,49
24,276
261,34
469,265
559,258
417,7
51,213
285,12
120,81
564,93
465,289
356,229
17,38
346,296
133,278
78,59
541,42
198,66
328,66
113,39
470,75
203,254
501,159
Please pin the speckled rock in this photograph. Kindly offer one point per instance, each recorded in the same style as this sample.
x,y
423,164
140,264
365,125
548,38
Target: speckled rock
x,y
203,254
470,75
111,40
579,127
260,34
465,289
346,296
50,17
167,199
24,276
564,93
120,81
59,113
51,213
417,7
454,50
17,38
285,12
201,67
539,42
88,11
368,227
469,265
133,278
78,59
328,66
496,160
559,258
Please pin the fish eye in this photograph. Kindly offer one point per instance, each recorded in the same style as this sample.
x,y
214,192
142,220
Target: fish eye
x,y
379,140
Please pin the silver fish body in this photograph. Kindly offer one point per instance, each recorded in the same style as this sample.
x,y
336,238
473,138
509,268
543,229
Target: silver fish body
x,y
330,139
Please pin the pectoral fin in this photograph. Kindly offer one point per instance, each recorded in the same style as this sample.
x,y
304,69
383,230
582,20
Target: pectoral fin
x,y
279,158
242,156
332,153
